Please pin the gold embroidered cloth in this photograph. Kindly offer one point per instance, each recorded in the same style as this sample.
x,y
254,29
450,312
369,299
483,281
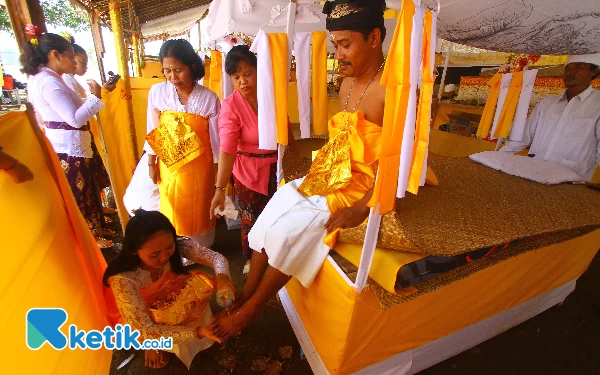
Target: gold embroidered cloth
x,y
332,169
174,140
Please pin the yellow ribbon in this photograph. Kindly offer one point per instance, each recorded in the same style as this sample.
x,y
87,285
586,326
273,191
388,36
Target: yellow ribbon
x,y
490,106
216,70
396,76
509,108
424,111
279,61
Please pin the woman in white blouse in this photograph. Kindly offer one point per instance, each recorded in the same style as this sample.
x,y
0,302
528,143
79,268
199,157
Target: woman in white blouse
x,y
183,142
66,116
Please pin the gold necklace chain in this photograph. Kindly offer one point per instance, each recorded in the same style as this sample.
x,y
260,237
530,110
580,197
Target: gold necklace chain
x,y
363,94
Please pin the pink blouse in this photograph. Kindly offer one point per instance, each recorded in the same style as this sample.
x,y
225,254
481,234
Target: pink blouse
x,y
238,131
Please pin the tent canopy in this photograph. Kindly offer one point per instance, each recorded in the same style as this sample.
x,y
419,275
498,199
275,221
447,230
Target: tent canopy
x,y
548,27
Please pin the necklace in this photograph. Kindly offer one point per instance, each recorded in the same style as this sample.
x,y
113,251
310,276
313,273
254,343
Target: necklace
x,y
363,93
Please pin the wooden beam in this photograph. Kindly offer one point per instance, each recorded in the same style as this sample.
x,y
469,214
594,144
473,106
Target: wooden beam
x,y
23,12
98,41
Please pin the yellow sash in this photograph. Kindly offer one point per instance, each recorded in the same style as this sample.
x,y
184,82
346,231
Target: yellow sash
x,y
174,140
510,106
319,83
490,106
279,62
424,111
396,78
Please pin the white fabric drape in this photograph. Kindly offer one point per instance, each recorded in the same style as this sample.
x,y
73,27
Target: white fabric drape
x,y
267,126
518,126
411,114
302,42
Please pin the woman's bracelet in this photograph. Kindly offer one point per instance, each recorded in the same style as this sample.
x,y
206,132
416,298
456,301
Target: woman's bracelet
x,y
222,188
12,166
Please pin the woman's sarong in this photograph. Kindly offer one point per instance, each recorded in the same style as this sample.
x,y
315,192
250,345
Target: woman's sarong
x,y
252,204
182,143
87,177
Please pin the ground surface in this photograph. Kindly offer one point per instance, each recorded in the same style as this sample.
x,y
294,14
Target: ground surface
x,y
563,340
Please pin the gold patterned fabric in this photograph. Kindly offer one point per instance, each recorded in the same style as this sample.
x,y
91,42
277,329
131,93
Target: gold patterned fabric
x,y
331,170
174,140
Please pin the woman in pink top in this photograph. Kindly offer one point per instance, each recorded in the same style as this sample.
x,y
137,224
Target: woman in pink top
x,y
254,170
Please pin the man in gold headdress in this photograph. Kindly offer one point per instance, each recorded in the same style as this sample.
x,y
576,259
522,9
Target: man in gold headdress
x,y
293,235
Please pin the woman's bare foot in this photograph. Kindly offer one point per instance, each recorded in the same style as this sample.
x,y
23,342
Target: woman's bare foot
x,y
226,326
103,243
156,358
236,304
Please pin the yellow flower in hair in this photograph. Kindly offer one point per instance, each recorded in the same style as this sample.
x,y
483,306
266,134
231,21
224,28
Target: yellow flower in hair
x,y
34,42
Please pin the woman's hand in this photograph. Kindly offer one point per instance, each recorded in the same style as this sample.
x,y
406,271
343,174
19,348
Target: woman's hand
x,y
20,173
108,87
348,217
95,88
217,201
206,331
154,173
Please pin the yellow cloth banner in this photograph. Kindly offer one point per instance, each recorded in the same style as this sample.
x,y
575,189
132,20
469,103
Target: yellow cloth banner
x,y
216,71
140,87
117,140
351,331
52,259
152,69
424,110
396,76
490,106
279,61
319,83
509,108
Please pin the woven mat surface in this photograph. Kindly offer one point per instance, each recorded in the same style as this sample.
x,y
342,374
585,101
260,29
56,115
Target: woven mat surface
x,y
387,299
475,207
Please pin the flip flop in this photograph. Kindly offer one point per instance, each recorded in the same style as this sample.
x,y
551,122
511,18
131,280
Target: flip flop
x,y
103,243
107,220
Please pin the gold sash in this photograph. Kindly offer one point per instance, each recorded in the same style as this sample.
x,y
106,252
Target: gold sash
x,y
174,140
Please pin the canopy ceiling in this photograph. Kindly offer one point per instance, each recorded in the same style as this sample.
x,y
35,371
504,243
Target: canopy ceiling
x,y
550,27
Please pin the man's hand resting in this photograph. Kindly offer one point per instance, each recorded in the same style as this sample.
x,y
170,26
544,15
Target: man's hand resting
x,y
348,217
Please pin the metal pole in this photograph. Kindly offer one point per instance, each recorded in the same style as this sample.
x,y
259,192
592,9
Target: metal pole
x,y
445,70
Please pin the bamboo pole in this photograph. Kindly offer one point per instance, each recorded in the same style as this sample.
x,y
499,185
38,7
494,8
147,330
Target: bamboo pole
x,y
98,42
135,40
117,29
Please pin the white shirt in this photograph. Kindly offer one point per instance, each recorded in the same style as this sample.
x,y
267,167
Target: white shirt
x,y
74,85
202,101
53,100
565,132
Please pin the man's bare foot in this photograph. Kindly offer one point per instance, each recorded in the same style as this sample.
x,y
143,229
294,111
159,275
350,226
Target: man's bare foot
x,y
226,326
156,358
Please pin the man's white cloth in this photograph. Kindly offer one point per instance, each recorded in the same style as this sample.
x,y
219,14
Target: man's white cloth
x,y
291,229
565,132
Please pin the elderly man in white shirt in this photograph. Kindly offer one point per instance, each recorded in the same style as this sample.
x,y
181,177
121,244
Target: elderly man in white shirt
x,y
565,128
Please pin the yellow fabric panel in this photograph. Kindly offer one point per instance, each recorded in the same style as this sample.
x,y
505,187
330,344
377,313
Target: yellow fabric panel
x,y
510,106
596,177
279,62
443,110
53,260
375,334
391,14
396,78
456,146
1,77
152,69
117,141
140,87
326,311
386,262
320,113
214,79
490,106
293,103
424,110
